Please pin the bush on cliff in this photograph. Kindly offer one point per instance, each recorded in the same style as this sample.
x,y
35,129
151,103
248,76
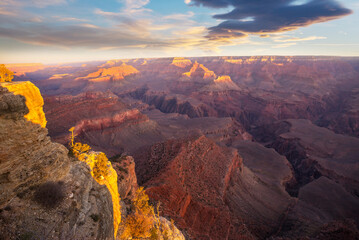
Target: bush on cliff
x,y
144,222
50,194
5,74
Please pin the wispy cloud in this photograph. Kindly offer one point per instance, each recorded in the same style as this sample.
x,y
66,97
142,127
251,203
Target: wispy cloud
x,y
179,16
296,39
69,19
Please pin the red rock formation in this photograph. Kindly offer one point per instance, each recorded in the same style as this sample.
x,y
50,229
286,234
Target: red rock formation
x,y
100,120
197,206
205,187
113,73
126,176
222,83
199,71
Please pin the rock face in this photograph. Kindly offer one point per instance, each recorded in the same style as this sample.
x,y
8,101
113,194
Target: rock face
x,y
326,174
176,103
314,152
34,101
181,62
198,71
113,73
100,120
210,193
28,160
25,147
127,180
222,83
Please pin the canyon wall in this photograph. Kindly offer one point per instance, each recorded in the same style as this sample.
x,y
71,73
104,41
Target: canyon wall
x,y
29,163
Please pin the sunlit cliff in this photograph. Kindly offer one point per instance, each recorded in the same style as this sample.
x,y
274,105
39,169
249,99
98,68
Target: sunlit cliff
x,y
199,70
103,172
34,100
112,73
181,62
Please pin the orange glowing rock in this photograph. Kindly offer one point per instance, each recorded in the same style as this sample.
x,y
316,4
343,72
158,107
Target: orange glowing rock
x,y
222,83
181,62
103,172
93,160
234,61
34,101
224,78
113,73
110,63
198,70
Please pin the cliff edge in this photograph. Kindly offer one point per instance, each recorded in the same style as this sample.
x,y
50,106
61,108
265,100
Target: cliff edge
x,y
44,193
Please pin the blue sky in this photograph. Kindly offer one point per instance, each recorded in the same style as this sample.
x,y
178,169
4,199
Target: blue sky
x,y
54,31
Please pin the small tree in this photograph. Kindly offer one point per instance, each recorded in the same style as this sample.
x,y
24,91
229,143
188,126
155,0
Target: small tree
x,y
100,170
5,74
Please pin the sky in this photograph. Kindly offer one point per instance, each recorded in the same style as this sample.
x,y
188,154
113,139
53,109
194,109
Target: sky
x,y
57,31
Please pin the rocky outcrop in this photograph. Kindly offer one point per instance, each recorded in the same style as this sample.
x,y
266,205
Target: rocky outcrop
x,y
210,193
314,152
84,213
34,101
326,174
199,71
112,73
111,63
222,83
323,207
181,62
180,126
28,160
127,180
25,147
100,120
197,206
175,103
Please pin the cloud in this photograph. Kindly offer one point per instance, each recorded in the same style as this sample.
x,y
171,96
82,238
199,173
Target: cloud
x,y
131,27
33,3
269,16
179,16
123,30
296,39
69,19
130,4
6,12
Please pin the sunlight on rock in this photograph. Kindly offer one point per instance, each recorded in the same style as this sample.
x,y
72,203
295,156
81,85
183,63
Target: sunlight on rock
x,y
103,172
34,100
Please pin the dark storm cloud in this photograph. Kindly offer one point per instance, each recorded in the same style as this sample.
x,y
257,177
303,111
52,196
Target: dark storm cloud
x,y
270,16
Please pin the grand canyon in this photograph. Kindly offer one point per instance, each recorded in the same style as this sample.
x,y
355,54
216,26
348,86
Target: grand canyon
x,y
262,147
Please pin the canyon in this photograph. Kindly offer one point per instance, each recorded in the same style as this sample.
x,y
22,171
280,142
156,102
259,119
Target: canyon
x,y
49,192
232,147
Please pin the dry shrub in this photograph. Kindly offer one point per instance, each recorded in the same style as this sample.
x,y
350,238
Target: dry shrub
x,y
50,194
